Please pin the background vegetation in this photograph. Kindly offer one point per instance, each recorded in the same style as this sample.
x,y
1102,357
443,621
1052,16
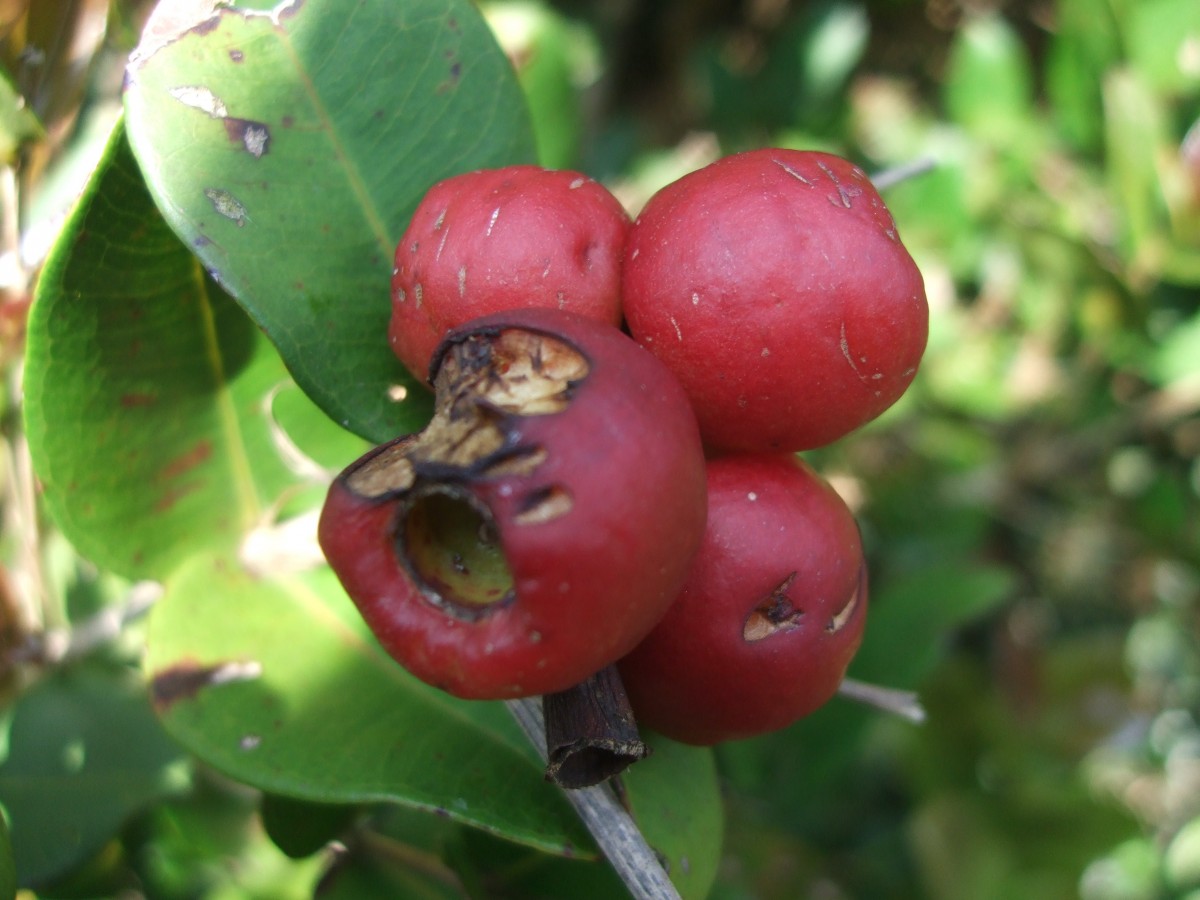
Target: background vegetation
x,y
1030,508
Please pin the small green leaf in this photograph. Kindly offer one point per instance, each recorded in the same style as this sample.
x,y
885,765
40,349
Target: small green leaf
x,y
989,83
147,390
300,828
278,683
289,147
84,753
676,802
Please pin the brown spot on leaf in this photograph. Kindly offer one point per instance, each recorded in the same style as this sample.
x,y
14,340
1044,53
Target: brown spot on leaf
x,y
185,679
133,400
186,461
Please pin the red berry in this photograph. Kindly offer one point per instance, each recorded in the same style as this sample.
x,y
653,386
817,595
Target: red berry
x,y
774,284
541,524
499,239
770,616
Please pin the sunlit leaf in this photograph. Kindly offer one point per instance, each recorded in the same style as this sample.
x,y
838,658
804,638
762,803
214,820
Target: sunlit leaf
x,y
277,683
289,147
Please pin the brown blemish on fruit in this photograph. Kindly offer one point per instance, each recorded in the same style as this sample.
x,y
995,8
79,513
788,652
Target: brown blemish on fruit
x,y
481,382
544,504
775,613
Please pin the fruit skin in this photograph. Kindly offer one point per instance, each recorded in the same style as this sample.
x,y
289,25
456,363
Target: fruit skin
x,y
696,678
508,238
588,583
774,284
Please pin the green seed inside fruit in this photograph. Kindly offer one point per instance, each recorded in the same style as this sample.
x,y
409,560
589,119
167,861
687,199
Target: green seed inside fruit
x,y
452,550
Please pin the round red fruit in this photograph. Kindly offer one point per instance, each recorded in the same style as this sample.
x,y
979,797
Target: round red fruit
x,y
496,239
770,616
775,286
540,525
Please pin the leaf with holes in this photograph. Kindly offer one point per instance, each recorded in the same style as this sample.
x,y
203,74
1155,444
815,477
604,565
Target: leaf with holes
x,y
289,147
148,392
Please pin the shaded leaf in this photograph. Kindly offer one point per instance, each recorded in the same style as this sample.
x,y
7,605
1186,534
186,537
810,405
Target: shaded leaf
x,y
289,149
676,802
84,752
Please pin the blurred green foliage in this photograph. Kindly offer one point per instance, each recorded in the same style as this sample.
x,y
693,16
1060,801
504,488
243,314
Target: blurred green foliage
x,y
1031,508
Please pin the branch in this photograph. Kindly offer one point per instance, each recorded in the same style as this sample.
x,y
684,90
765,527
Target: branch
x,y
905,704
609,823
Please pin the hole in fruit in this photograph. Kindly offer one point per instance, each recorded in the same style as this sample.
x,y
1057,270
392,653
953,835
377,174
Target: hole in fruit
x,y
773,614
448,543
544,504
843,615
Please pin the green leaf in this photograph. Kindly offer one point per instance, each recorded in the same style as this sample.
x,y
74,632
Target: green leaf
x,y
300,828
289,148
8,869
912,614
278,684
18,124
84,753
147,388
989,83
1083,48
676,802
1162,37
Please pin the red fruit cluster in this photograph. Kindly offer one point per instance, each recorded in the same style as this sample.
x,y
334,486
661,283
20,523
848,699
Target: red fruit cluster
x,y
586,496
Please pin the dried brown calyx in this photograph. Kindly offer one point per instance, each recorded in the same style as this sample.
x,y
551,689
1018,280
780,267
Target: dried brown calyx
x,y
447,539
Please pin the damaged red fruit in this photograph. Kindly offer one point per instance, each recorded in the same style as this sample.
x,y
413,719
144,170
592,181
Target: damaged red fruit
x,y
509,238
771,614
540,525
774,284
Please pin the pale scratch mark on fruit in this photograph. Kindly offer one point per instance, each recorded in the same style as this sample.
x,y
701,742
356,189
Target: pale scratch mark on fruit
x,y
577,183
695,298
201,98
417,292
678,332
561,297
442,244
766,351
842,616
792,171
492,222
441,219
462,281
227,205
844,344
